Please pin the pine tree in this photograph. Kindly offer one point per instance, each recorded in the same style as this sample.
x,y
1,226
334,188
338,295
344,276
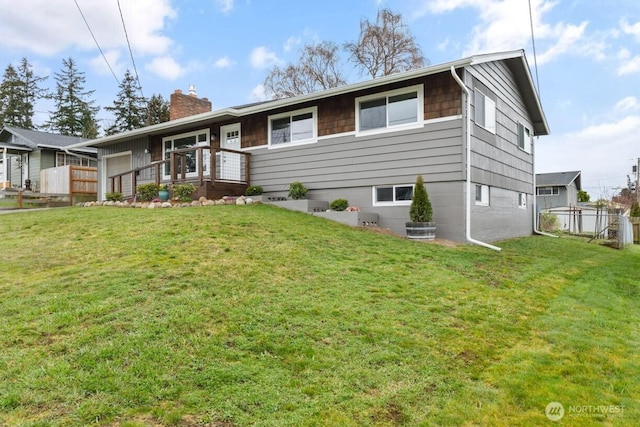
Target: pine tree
x,y
19,92
10,98
158,110
129,108
75,113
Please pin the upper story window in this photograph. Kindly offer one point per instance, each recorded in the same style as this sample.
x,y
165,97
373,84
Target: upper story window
x,y
293,127
395,109
485,111
548,191
524,138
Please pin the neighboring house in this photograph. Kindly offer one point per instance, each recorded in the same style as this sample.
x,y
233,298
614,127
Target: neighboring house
x,y
557,189
365,142
24,153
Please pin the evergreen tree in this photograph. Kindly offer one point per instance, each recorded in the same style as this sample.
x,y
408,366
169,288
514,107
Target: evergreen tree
x,y
158,110
10,97
19,92
129,108
75,114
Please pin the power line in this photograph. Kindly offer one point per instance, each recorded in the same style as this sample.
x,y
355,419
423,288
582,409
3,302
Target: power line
x,y
135,69
535,57
96,41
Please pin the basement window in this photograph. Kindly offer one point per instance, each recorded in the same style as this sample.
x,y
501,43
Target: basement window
x,y
392,195
482,195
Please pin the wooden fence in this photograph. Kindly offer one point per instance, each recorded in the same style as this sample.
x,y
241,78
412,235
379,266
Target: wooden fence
x,y
70,180
635,222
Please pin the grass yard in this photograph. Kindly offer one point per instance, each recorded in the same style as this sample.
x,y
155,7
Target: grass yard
x,y
252,315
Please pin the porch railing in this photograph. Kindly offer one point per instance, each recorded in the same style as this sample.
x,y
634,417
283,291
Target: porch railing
x,y
192,164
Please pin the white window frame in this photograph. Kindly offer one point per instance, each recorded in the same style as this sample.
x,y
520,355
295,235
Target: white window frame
x,y
484,195
524,138
555,190
314,137
172,138
394,202
419,89
522,200
485,111
65,159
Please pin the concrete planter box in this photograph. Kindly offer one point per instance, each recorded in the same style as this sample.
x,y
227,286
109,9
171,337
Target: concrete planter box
x,y
303,205
362,219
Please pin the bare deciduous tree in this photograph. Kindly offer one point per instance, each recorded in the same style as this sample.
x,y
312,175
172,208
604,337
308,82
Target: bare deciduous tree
x,y
385,47
317,69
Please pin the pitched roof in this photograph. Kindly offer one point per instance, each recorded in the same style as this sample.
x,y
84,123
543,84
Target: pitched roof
x,y
33,139
558,178
515,60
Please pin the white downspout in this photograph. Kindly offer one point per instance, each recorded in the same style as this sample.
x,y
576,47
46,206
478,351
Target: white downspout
x,y
467,198
535,196
4,168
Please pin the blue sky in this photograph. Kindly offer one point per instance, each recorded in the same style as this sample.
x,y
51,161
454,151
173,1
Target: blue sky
x,y
588,56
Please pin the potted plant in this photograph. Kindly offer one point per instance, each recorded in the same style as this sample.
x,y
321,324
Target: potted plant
x,y
421,214
163,192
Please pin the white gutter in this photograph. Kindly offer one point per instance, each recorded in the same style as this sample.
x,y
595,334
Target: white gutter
x,y
535,196
82,156
467,198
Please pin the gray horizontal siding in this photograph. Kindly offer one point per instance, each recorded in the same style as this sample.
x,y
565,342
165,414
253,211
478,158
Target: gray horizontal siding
x,y
496,159
434,151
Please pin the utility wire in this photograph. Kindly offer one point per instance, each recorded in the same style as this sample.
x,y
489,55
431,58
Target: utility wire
x,y
96,41
135,69
535,57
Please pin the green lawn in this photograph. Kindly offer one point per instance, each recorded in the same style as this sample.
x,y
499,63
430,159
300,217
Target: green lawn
x,y
252,315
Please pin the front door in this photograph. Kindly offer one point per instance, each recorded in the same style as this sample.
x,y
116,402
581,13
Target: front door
x,y
230,163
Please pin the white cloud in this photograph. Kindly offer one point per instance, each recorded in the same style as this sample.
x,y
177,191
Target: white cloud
x,y
47,27
224,62
291,43
100,66
630,66
258,94
601,151
627,105
631,29
226,6
506,25
262,58
166,67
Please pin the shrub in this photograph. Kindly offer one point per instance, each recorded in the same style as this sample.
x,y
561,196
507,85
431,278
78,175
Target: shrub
x,y
339,205
183,192
253,190
297,190
635,210
147,191
420,210
549,222
114,196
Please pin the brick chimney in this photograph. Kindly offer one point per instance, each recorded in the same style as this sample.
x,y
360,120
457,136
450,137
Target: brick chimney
x,y
187,105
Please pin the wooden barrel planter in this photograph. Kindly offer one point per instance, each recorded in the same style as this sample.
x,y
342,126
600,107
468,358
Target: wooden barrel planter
x,y
421,230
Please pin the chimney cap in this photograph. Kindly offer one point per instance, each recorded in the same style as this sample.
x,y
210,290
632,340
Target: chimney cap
x,y
178,91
